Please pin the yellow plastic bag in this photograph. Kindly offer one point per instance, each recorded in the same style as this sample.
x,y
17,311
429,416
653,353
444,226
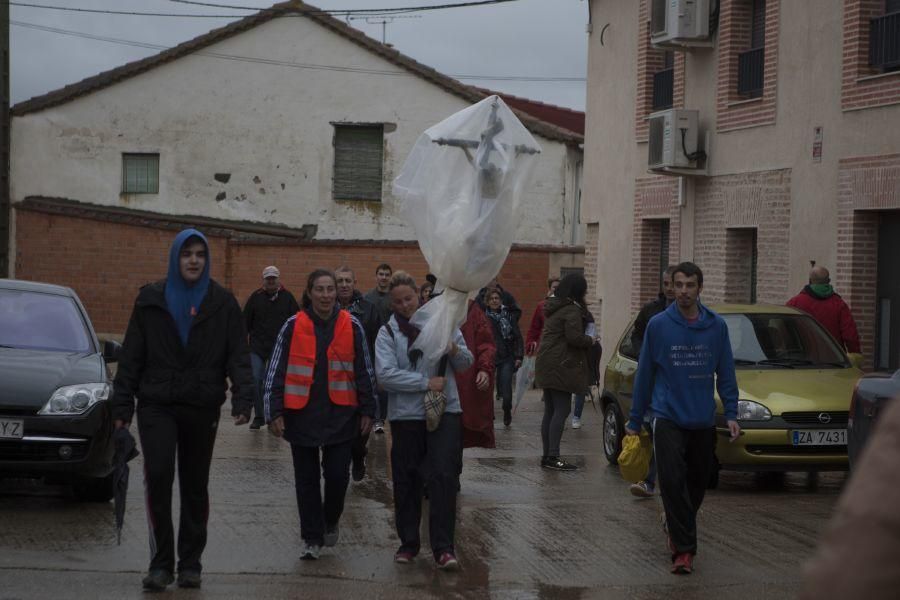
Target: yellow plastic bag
x,y
634,459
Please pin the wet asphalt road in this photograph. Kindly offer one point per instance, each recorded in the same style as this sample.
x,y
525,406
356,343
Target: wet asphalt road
x,y
522,532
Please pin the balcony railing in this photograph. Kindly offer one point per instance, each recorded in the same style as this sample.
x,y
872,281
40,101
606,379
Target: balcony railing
x,y
884,42
751,69
663,86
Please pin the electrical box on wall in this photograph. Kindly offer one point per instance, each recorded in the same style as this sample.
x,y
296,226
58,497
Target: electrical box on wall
x,y
674,143
679,24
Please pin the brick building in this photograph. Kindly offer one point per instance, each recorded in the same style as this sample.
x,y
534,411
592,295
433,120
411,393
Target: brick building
x,y
799,106
279,135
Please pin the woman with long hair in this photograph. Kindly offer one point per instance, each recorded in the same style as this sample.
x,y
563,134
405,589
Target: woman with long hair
x,y
510,348
561,368
319,397
418,454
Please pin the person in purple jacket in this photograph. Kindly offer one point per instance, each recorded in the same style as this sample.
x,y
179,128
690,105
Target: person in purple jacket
x,y
686,351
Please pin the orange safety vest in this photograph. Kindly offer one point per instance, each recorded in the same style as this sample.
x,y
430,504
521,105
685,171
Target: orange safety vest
x,y
302,362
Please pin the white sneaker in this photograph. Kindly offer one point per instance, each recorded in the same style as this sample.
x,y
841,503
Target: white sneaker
x,y
379,426
642,489
576,423
310,551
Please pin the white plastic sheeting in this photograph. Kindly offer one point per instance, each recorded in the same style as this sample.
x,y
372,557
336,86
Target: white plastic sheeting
x,y
460,189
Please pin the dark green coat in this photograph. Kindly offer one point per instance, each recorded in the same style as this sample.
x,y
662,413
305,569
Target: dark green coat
x,y
562,357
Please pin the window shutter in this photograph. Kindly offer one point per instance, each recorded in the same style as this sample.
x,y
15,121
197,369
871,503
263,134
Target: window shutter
x,y
140,173
758,25
891,6
358,162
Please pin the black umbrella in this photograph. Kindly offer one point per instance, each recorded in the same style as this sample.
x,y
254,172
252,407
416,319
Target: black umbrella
x,y
125,450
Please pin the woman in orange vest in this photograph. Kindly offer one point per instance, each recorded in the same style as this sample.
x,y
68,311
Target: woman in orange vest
x,y
319,394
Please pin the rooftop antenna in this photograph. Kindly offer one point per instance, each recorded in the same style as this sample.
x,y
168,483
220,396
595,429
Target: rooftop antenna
x,y
383,21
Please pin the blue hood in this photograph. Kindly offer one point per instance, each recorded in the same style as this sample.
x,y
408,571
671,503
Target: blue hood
x,y
703,322
183,300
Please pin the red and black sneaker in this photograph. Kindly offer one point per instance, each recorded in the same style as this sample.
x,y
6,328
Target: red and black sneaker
x,y
684,564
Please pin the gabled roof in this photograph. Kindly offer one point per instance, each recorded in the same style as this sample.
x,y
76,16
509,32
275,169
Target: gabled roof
x,y
567,118
539,118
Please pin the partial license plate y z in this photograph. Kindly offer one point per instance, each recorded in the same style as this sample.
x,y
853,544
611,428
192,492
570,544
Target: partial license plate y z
x,y
12,429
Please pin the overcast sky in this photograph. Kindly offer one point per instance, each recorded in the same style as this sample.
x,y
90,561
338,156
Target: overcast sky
x,y
522,38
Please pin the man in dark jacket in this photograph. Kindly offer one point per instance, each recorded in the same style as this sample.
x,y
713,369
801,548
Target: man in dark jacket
x,y
185,336
828,308
379,294
265,312
653,308
351,300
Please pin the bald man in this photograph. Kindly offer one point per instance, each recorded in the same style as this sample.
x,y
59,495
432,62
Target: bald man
x,y
821,301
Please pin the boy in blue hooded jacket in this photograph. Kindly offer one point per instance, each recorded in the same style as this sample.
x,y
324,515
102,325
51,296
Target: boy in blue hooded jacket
x,y
686,351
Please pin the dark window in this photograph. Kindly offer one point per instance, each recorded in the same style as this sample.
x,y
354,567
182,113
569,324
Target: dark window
x,y
664,83
663,246
140,173
751,63
754,261
884,38
358,160
781,341
563,271
37,321
630,347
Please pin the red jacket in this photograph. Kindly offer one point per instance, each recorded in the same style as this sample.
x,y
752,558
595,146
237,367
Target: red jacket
x,y
832,313
537,326
477,405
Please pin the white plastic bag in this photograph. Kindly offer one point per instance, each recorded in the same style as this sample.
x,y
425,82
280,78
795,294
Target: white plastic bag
x,y
460,189
524,379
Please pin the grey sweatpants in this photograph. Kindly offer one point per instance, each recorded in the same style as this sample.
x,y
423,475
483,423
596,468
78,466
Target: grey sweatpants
x,y
557,405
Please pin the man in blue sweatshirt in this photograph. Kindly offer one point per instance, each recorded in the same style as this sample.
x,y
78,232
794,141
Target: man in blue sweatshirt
x,y
686,351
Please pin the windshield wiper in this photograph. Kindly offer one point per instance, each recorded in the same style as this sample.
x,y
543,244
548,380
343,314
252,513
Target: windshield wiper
x,y
788,363
743,362
831,364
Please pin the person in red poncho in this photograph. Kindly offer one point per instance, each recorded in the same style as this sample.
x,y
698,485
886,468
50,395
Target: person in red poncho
x,y
476,384
533,339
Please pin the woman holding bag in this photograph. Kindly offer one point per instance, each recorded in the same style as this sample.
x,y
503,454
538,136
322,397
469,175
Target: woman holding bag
x,y
562,367
407,378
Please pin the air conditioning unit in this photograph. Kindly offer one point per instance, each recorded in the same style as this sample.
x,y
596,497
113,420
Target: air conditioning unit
x,y
677,24
673,142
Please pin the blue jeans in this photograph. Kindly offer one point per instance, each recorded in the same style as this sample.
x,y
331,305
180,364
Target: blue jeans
x,y
505,371
579,406
259,374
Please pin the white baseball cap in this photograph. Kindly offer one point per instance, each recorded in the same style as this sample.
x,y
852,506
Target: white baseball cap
x,y
271,271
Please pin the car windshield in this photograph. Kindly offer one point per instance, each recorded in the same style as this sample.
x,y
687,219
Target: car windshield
x,y
781,341
36,321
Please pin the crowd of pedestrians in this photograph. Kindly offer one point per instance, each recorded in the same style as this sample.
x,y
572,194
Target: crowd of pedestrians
x,y
325,372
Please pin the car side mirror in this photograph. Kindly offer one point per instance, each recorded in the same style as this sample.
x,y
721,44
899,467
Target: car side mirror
x,y
856,359
111,351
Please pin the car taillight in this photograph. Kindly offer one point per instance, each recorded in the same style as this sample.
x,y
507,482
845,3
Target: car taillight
x,y
852,406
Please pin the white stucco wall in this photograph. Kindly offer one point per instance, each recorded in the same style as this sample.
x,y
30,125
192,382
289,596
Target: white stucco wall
x,y
809,72
269,127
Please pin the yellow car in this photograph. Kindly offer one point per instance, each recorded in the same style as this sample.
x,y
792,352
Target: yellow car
x,y
795,385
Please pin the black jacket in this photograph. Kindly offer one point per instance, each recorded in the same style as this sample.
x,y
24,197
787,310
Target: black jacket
x,y
264,318
369,317
320,422
511,349
156,368
647,312
382,303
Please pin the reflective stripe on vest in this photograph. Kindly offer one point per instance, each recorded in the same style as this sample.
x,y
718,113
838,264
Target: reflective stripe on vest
x,y
341,353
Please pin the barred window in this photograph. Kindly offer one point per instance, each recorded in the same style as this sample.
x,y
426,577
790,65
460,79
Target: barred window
x,y
358,161
140,173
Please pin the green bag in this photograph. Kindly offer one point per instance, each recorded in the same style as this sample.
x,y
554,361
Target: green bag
x,y
634,459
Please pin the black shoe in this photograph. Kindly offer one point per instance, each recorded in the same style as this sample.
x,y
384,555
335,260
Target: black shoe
x,y
554,463
189,579
507,418
544,460
157,580
359,469
257,423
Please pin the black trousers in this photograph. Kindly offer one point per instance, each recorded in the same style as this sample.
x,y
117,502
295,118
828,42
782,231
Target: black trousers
x,y
188,433
683,463
418,455
557,405
316,514
359,449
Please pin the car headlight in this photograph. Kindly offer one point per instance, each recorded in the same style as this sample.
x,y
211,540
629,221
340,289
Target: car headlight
x,y
75,399
748,410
